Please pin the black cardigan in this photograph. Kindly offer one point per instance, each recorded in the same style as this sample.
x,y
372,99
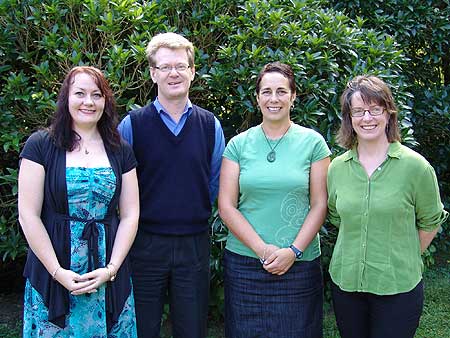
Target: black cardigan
x,y
40,148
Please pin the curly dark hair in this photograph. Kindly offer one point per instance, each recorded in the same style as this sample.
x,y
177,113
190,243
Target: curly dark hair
x,y
61,127
277,67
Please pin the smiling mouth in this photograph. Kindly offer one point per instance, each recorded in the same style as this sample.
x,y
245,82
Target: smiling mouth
x,y
273,109
371,127
87,111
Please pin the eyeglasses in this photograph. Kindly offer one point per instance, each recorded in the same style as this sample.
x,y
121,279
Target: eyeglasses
x,y
373,111
166,68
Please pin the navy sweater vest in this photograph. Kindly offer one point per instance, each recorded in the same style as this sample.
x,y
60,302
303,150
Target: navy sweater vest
x,y
173,171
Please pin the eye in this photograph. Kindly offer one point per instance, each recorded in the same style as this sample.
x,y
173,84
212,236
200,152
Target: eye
x,y
79,94
97,96
164,68
181,67
282,92
266,92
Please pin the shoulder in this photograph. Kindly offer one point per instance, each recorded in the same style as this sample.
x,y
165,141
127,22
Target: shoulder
x,y
202,111
39,147
245,135
410,158
305,132
340,160
141,112
40,136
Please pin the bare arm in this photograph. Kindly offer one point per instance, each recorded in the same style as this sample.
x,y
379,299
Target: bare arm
x,y
425,238
31,196
281,260
129,215
235,221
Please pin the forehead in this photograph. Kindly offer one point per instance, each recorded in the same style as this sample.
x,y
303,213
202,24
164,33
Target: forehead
x,y
358,100
274,80
169,55
83,80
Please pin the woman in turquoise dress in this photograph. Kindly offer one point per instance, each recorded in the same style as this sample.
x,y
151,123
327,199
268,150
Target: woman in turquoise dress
x,y
75,179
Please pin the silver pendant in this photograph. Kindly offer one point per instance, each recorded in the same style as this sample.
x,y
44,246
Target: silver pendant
x,y
272,156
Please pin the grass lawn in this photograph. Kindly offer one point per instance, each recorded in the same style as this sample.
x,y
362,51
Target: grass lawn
x,y
435,321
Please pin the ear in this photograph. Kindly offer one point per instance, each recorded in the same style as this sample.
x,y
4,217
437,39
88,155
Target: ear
x,y
192,72
294,96
153,74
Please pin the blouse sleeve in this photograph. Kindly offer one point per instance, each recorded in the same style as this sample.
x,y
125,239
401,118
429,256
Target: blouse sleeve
x,y
128,159
430,212
333,215
320,150
232,150
33,149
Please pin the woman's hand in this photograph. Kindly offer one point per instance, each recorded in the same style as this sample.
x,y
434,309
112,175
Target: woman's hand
x,y
71,280
266,251
280,261
91,281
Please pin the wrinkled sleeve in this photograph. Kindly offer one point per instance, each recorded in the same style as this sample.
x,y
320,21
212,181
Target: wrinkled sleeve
x,y
33,148
430,212
321,149
333,216
128,159
232,150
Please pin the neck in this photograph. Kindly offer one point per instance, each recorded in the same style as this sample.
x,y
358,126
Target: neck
x,y
374,148
175,106
87,134
274,130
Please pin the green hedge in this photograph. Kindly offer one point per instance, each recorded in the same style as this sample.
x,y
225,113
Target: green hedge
x,y
41,40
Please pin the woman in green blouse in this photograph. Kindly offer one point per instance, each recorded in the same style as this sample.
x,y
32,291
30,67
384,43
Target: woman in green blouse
x,y
384,198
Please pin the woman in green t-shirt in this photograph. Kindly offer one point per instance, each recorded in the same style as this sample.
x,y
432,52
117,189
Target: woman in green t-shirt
x,y
272,198
384,198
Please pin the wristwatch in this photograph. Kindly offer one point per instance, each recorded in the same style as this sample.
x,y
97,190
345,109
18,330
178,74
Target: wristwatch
x,y
298,253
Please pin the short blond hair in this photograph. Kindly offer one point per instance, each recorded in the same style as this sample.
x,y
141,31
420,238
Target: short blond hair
x,y
172,41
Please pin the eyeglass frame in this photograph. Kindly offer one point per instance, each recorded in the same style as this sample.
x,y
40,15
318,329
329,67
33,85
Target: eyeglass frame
x,y
368,110
169,68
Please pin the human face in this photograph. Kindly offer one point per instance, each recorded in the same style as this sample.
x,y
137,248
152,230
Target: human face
x,y
275,98
368,128
86,101
172,85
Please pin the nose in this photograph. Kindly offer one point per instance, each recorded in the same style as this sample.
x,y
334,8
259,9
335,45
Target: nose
x,y
367,114
88,100
273,96
172,71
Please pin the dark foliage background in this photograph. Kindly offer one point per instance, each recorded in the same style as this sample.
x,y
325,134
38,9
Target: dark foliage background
x,y
326,42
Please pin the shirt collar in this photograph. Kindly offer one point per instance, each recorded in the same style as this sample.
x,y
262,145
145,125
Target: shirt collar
x,y
160,108
394,150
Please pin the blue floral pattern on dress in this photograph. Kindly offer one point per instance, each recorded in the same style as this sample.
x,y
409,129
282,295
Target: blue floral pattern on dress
x,y
90,191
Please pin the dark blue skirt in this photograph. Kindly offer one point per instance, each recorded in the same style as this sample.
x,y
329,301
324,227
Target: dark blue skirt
x,y
260,304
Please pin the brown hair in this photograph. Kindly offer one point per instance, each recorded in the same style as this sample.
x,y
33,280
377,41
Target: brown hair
x,y
61,127
172,41
371,89
277,67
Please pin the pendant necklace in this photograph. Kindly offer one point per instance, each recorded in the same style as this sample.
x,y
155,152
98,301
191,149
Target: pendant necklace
x,y
272,155
86,151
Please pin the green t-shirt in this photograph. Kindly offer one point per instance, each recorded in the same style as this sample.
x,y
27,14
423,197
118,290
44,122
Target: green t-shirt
x,y
378,247
274,197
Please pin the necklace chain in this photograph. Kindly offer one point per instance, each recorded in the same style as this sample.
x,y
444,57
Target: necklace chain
x,y
272,155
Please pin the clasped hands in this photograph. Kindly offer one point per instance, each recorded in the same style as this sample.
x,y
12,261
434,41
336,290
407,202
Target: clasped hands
x,y
81,284
275,260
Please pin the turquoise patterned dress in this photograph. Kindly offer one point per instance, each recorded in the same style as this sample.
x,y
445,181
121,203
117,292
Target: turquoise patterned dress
x,y
89,192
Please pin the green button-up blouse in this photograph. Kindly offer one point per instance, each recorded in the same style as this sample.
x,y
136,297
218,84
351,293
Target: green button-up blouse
x,y
378,248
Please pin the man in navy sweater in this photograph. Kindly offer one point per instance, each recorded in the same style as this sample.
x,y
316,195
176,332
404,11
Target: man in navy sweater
x,y
178,146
